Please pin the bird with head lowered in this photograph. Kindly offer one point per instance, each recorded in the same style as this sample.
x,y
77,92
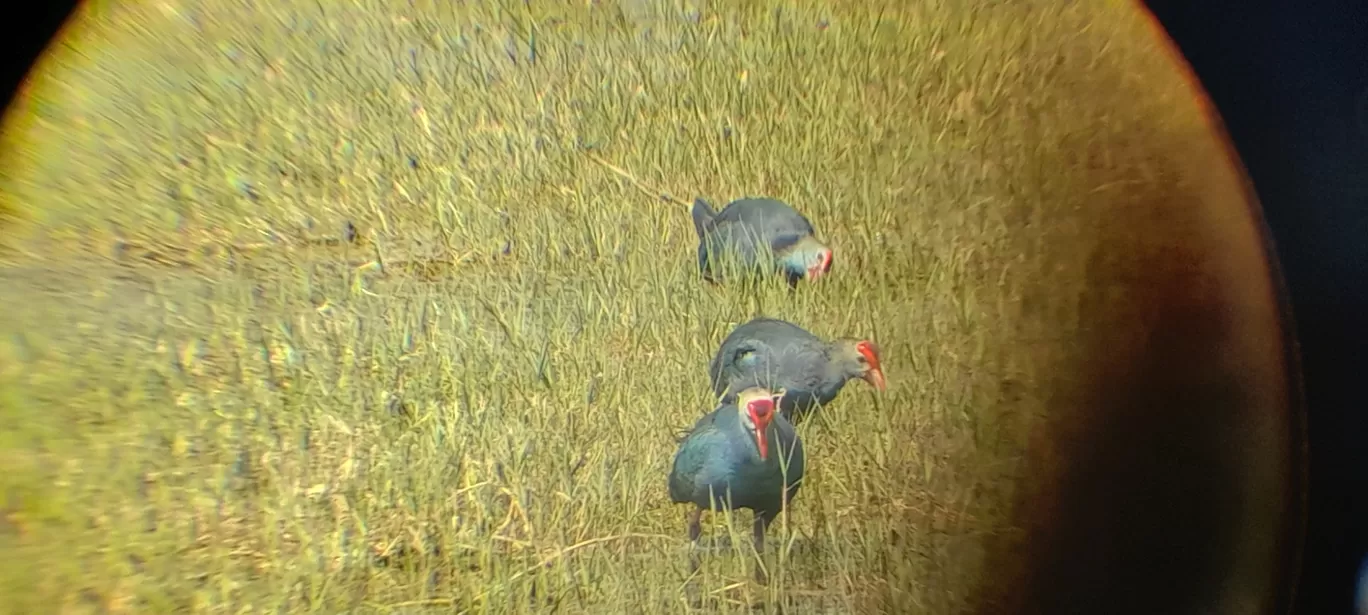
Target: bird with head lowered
x,y
778,354
758,236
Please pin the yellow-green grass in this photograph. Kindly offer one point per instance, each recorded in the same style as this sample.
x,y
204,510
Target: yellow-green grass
x,y
213,404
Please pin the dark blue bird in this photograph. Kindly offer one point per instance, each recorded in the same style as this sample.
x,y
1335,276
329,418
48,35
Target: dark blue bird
x,y
743,454
782,356
764,236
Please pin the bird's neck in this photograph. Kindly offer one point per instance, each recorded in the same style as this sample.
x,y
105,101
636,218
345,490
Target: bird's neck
x,y
771,443
833,368
797,257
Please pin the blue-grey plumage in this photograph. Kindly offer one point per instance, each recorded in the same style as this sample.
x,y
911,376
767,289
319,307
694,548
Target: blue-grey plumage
x,y
763,236
743,454
782,356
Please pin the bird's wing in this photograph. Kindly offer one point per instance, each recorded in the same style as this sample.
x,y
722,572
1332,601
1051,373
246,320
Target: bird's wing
x,y
773,216
746,355
804,363
732,362
716,370
738,346
693,454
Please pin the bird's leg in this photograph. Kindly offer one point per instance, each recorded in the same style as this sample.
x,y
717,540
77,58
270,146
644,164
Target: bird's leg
x,y
761,524
694,519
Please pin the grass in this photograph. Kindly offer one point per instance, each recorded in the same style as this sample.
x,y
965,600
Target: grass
x,y
216,402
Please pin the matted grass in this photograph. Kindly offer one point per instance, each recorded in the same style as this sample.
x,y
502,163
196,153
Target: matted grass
x,y
215,402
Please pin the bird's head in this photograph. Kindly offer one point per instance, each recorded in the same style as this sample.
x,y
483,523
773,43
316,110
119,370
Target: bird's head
x,y
756,405
860,359
820,263
807,257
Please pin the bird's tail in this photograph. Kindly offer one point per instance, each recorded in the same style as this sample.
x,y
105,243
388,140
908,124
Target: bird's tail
x,y
703,213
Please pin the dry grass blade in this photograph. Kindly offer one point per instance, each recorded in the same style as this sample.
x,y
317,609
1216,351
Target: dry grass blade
x,y
665,196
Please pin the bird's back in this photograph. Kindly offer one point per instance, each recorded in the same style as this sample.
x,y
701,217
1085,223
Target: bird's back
x,y
768,352
771,216
772,330
753,225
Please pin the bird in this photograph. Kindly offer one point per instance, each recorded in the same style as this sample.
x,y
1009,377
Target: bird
x,y
778,354
765,236
741,455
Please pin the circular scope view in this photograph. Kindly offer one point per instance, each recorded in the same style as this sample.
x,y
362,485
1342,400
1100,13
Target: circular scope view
x,y
634,306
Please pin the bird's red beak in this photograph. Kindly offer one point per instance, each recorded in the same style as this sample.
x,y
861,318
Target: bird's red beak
x,y
761,413
821,267
875,375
